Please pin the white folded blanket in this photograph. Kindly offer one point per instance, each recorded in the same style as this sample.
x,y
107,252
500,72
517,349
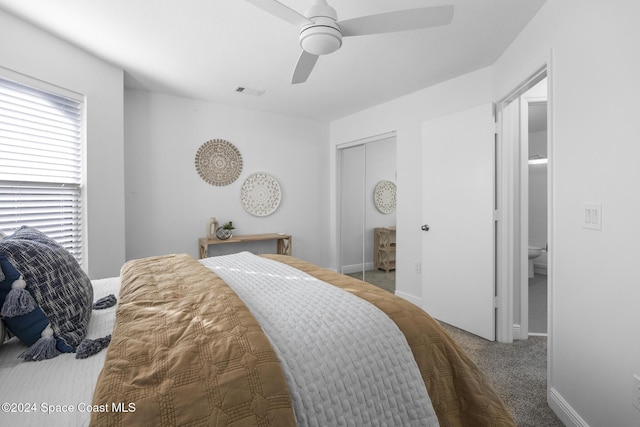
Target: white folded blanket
x,y
345,361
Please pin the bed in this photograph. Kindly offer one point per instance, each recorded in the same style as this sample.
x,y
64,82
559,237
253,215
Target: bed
x,y
233,340
42,393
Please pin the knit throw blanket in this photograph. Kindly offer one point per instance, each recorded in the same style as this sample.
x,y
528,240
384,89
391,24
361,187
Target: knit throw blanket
x,y
344,360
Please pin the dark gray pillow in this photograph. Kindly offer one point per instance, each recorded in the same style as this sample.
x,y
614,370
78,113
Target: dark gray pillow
x,y
57,283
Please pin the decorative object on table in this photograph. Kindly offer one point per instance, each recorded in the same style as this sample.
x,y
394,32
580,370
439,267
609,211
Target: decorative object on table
x,y
218,162
226,231
384,196
284,242
260,194
212,227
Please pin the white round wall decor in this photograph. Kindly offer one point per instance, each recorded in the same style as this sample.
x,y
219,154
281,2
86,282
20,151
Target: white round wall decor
x,y
384,196
218,162
260,194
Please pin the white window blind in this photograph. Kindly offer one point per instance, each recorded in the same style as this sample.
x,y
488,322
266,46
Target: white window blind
x,y
41,163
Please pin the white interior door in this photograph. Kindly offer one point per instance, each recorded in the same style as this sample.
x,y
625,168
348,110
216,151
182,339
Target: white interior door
x,y
458,256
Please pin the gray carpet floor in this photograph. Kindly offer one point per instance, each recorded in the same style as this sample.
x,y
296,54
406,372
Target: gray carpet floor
x,y
380,278
517,371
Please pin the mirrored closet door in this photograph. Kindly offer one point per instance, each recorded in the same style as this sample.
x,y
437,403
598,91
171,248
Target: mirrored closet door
x,y
352,172
367,184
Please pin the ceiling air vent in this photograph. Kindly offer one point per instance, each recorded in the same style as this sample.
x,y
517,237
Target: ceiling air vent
x,y
249,91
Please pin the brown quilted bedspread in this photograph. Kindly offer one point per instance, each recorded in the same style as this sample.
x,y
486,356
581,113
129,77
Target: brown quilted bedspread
x,y
459,391
185,350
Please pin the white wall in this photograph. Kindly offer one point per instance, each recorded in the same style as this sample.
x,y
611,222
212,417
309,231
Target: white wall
x,y
405,115
168,204
595,348
27,50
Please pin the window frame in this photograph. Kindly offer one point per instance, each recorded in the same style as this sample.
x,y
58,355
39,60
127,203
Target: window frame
x,y
40,85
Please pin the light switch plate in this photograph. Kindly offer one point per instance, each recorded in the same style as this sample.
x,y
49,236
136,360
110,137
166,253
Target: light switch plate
x,y
592,216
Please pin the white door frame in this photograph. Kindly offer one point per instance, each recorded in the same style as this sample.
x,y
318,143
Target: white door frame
x,y
507,245
338,216
512,245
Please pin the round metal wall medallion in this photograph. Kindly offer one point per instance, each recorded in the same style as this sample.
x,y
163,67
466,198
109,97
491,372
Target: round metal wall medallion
x,y
218,162
384,196
260,194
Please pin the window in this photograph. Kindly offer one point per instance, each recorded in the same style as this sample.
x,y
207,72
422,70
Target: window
x,y
41,134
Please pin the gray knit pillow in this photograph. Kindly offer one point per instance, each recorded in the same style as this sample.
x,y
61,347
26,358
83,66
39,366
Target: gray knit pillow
x,y
57,283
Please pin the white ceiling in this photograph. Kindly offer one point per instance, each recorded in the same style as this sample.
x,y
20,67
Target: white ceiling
x,y
204,49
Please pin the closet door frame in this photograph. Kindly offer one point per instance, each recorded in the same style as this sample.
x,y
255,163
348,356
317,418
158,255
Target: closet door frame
x,y
339,195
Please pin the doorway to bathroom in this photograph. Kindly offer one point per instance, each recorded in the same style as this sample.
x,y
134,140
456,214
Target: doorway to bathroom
x,y
525,193
535,103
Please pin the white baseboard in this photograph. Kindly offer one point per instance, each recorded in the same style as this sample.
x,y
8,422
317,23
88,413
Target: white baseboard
x,y
518,334
411,298
348,269
356,268
564,411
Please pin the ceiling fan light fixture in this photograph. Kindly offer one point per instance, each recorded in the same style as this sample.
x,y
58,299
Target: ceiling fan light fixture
x,y
320,39
321,33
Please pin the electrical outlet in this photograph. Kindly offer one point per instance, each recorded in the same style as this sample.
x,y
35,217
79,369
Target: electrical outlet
x,y
635,393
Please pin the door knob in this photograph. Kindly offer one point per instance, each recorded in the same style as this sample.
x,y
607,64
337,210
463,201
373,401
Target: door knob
x,y
425,227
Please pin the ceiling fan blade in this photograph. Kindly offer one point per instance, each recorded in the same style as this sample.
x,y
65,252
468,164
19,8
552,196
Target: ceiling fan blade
x,y
281,11
402,20
305,64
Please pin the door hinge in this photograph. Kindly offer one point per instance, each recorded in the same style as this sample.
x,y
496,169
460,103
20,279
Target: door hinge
x,y
496,302
496,215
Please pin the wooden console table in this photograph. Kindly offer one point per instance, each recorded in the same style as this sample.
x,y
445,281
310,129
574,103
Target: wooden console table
x,y
283,241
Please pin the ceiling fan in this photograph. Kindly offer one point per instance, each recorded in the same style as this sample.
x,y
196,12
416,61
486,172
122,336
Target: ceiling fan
x,y
321,32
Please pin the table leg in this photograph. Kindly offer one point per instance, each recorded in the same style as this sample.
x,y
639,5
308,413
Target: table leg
x,y
203,250
284,246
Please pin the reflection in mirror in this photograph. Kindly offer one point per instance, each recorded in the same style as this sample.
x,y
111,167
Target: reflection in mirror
x,y
352,170
367,212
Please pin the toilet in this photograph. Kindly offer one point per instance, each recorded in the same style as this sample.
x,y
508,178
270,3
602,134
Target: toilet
x,y
534,252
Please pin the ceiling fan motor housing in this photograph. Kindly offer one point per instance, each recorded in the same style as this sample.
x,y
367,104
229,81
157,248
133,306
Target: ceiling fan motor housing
x,y
323,36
